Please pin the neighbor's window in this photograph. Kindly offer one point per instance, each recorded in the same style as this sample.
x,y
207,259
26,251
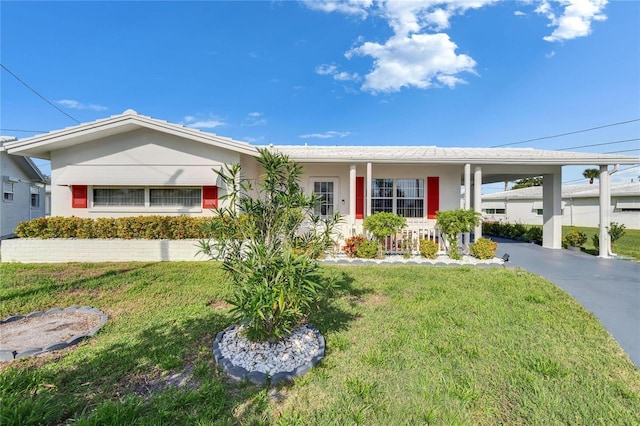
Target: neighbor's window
x,y
326,191
7,191
175,197
495,211
35,197
118,197
539,212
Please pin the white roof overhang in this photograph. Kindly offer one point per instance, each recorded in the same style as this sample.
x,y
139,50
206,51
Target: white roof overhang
x,y
138,175
41,145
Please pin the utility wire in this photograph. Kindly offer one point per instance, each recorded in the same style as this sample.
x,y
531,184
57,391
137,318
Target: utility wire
x,y
34,91
568,133
598,144
24,131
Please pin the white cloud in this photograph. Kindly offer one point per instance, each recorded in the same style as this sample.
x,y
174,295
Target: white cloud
x,y
209,122
332,70
326,69
349,7
574,20
416,60
255,119
519,13
69,103
326,135
550,54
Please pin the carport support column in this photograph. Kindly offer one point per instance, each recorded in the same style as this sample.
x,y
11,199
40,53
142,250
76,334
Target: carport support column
x,y
477,198
368,189
552,210
467,197
352,199
605,217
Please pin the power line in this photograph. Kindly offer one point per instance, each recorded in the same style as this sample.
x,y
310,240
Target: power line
x,y
568,133
24,131
598,144
34,91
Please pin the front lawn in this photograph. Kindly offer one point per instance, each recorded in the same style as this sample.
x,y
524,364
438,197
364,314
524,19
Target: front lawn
x,y
627,245
405,345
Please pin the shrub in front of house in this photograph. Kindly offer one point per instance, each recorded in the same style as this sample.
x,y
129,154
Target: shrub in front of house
x,y
483,248
368,249
351,245
128,228
534,233
574,238
453,223
518,230
428,249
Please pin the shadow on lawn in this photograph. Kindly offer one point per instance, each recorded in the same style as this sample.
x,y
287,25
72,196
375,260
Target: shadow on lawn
x,y
164,373
57,284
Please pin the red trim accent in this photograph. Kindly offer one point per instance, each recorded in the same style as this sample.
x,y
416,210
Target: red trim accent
x,y
209,197
433,196
79,196
360,197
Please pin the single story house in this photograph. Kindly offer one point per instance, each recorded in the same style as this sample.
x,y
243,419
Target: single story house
x,y
131,164
23,190
580,205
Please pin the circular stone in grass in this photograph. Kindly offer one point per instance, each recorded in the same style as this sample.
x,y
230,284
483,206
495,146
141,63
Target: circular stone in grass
x,y
40,332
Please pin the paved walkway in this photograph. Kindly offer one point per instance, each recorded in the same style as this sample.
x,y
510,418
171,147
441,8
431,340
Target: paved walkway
x,y
608,288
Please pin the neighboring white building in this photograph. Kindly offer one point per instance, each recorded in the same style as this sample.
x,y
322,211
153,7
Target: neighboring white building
x,y
131,164
23,191
580,205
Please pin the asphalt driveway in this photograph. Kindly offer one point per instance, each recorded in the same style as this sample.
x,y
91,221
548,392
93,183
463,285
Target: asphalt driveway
x,y
608,288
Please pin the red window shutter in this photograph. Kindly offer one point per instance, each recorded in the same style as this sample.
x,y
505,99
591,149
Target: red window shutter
x,y
360,197
209,197
79,196
433,196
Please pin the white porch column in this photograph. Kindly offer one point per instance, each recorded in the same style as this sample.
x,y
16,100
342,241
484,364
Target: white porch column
x,y
467,198
352,196
477,198
605,212
368,189
552,210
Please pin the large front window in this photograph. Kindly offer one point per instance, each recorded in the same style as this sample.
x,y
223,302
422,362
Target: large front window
x,y
147,197
404,197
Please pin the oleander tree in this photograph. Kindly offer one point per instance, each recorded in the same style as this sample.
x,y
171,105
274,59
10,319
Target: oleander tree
x,y
269,239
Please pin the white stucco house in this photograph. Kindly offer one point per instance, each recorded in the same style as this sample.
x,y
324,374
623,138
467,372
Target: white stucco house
x,y
131,164
23,190
580,205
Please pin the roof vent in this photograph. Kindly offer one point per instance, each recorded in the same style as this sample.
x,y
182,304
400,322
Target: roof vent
x,y
130,112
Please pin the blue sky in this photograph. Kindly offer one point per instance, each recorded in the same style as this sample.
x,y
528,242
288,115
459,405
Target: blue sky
x,y
475,73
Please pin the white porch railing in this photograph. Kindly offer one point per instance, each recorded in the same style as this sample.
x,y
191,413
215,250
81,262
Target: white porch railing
x,y
409,238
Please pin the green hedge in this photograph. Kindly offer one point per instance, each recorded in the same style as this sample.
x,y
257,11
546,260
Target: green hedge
x,y
128,228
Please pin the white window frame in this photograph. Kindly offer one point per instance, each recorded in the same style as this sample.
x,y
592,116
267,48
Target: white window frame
x,y
7,192
146,207
395,198
336,192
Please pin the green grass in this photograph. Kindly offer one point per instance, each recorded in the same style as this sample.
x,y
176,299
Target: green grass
x,y
627,245
405,345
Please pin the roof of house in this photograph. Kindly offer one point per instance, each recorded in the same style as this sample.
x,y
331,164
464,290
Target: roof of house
x,y
438,155
25,163
41,145
568,191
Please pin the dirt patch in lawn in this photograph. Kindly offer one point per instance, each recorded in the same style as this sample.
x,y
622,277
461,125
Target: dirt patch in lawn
x,y
43,330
